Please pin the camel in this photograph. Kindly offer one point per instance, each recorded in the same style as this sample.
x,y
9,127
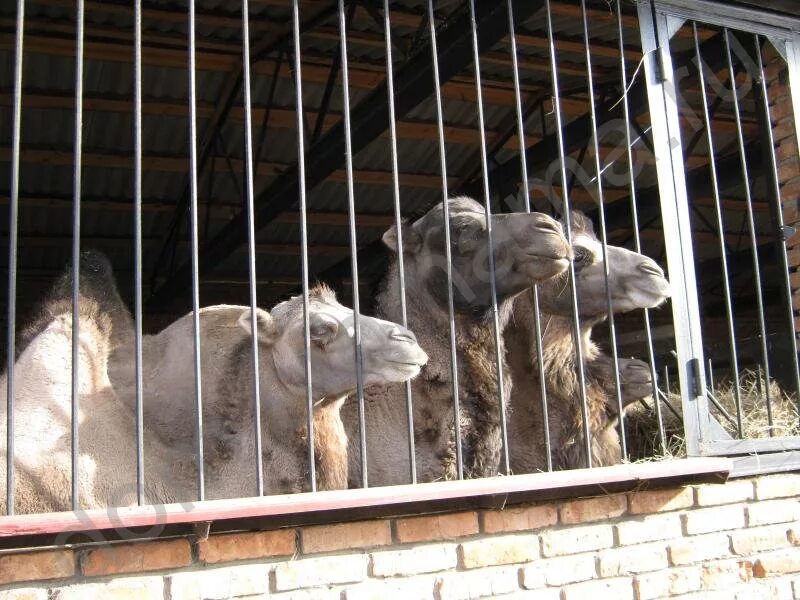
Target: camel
x,y
635,282
391,354
107,429
528,248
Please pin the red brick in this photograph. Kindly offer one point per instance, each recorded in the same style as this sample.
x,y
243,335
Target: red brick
x,y
787,149
618,588
773,511
699,548
37,566
725,574
661,500
667,582
718,518
571,540
782,110
519,518
138,557
246,546
727,493
436,527
501,550
758,539
329,538
593,509
789,169
784,129
778,486
777,563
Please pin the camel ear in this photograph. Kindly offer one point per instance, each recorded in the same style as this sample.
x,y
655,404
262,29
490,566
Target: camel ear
x,y
412,241
266,328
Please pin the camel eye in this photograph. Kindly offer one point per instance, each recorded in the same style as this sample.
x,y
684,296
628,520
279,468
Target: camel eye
x,y
583,257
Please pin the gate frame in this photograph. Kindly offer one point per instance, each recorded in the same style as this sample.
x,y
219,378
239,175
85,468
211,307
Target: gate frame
x,y
658,21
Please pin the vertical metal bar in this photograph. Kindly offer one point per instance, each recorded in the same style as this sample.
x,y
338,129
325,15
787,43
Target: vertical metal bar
x,y
76,249
301,187
447,250
137,247
251,241
534,291
13,219
751,224
351,206
711,377
194,248
662,95
488,212
612,332
784,263
387,27
635,222
712,163
565,209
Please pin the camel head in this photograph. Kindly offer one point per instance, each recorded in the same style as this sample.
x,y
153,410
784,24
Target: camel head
x,y
527,248
635,281
390,352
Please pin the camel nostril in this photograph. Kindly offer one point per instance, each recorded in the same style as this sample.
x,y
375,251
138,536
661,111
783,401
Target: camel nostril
x,y
549,226
651,269
399,335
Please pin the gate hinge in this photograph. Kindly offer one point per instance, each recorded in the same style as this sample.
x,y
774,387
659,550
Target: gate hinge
x,y
694,375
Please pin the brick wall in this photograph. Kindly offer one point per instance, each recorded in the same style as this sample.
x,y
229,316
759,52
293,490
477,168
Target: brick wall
x,y
787,157
735,540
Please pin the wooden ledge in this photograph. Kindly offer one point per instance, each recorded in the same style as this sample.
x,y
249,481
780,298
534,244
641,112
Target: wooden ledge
x,y
271,512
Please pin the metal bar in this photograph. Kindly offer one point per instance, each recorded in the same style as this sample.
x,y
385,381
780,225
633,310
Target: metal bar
x,y
301,182
635,223
447,249
774,184
659,81
577,131
713,399
711,377
721,228
751,224
489,240
387,28
251,243
534,291
137,247
76,250
194,251
413,84
230,91
13,221
565,209
351,207
612,332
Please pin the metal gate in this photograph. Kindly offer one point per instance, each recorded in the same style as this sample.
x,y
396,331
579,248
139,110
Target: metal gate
x,y
746,63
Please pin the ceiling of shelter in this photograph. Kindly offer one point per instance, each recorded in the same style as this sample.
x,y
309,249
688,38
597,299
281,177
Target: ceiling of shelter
x,y
47,159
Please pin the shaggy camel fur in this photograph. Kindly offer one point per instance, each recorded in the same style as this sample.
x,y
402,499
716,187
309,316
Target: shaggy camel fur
x,y
107,429
527,249
391,354
636,282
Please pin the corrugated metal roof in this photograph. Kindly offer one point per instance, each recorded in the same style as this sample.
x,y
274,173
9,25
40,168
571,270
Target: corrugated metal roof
x,y
107,134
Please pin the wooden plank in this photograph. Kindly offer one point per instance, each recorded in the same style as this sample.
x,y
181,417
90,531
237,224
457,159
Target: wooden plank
x,y
65,241
179,164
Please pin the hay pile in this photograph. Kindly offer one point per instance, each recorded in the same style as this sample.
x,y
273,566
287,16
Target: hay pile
x,y
641,424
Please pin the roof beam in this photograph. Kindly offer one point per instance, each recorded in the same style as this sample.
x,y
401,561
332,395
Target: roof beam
x,y
369,119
